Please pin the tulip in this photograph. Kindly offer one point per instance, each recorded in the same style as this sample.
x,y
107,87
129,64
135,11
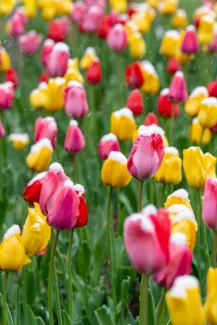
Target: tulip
x,y
39,96
137,45
204,166
12,76
143,21
12,251
212,47
74,141
170,43
57,29
192,105
153,3
91,19
177,91
6,95
46,128
76,104
135,103
190,43
46,50
2,130
141,232
5,61
94,72
212,88
198,134
206,30
184,302
173,66
180,258
44,77
151,82
210,303
168,7
117,38
19,140
16,24
57,60
78,12
133,75
73,73
178,197
30,8
114,171
36,232
150,119
180,19
83,208
32,190
6,6
209,213
88,58
149,130
40,155
30,42
123,124
207,115
146,156
104,27
165,107
170,171
55,95
108,143
119,5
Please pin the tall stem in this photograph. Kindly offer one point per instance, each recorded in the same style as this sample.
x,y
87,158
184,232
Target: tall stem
x,y
172,124
110,251
25,296
214,248
76,174
140,195
18,305
143,306
160,308
156,191
56,286
50,276
70,274
5,299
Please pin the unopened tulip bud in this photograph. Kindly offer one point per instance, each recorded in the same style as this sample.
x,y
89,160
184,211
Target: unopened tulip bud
x,y
149,130
135,102
208,112
108,143
30,42
189,43
46,50
117,38
170,43
40,155
57,29
151,83
192,105
74,141
196,132
134,76
150,119
5,61
78,12
88,58
46,128
76,105
6,95
206,30
123,124
173,66
180,19
91,19
19,140
57,60
178,197
54,94
94,72
119,5
212,88
12,76
165,107
177,91
209,213
137,45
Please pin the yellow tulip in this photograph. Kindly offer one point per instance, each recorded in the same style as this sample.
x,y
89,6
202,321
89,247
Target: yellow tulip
x,y
137,45
168,7
203,166
119,5
5,61
170,43
208,112
6,6
123,124
12,251
131,28
36,232
88,58
150,129
64,7
192,105
39,97
184,302
206,30
178,197
196,132
40,155
19,140
170,171
153,3
73,64
73,75
55,98
210,306
48,8
142,21
114,170
151,83
30,8
180,19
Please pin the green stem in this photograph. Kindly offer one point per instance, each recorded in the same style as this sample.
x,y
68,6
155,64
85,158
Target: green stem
x,y
156,191
160,308
111,251
214,248
5,298
18,305
70,273
76,170
56,286
172,124
140,195
50,276
25,304
143,306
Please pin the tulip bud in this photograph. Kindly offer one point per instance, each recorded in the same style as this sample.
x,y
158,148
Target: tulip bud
x,y
123,124
12,76
173,66
146,148
57,29
15,26
168,7
88,58
184,294
196,132
39,96
94,72
135,103
57,60
141,232
75,100
150,129
6,95
170,43
151,83
210,306
137,45
36,232
117,38
6,7
91,19
40,155
150,119
212,88
133,75
206,29
83,208
55,94
5,61
19,140
2,130
208,112
180,19
32,190
30,8
30,42
46,128
104,27
178,197
78,12
189,43
74,141
177,91
209,213
114,170
165,107
46,51
119,5
192,105
108,143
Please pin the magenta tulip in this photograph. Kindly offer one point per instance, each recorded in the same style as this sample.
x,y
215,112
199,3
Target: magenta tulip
x,y
74,141
108,143
46,128
210,203
177,91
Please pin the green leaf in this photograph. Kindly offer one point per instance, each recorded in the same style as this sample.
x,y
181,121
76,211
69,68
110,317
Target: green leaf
x,y
31,317
83,259
125,289
66,318
40,321
9,316
103,316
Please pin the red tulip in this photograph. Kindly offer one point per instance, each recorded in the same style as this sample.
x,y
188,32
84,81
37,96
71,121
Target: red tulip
x,y
150,119
134,76
76,105
117,38
46,128
108,143
12,76
165,107
44,77
173,66
57,61
178,91
58,29
74,141
212,88
83,208
104,27
209,212
32,190
94,73
46,50
135,103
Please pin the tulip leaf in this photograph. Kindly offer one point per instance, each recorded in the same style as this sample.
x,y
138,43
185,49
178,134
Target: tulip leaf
x,y
66,318
40,321
9,316
103,316
31,317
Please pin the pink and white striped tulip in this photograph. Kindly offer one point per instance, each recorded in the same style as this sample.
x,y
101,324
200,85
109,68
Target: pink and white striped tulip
x,y
30,42
46,50
117,38
57,61
46,128
108,143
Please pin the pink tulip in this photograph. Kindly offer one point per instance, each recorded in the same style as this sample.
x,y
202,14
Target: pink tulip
x,y
2,130
146,156
117,38
64,211
190,43
6,95
92,19
74,141
46,128
209,212
76,105
57,60
178,91
17,23
46,50
179,263
78,12
146,238
30,42
99,3
108,143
